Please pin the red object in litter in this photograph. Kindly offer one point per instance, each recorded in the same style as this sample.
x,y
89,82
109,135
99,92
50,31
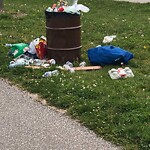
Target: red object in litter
x,y
41,49
60,9
121,72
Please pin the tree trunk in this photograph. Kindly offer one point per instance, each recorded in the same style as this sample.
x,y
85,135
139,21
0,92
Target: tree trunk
x,y
1,5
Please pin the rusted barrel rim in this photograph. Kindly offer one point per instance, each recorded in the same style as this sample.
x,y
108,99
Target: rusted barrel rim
x,y
64,49
47,13
66,28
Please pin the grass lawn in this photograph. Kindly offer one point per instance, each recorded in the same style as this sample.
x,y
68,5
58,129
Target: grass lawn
x,y
117,110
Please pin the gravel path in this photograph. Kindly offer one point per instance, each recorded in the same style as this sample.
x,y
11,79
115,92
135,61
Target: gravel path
x,y
26,124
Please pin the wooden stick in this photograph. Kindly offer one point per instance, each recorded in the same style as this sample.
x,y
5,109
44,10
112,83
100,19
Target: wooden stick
x,y
34,67
87,68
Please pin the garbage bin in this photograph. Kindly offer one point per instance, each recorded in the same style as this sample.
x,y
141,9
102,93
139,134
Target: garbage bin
x,y
63,33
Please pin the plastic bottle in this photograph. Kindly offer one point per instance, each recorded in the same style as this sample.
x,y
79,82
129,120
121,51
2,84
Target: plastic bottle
x,y
38,62
19,62
69,64
55,73
50,73
52,61
47,74
8,45
82,64
68,68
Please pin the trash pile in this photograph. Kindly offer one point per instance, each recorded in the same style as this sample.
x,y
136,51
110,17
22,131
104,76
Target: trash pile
x,y
68,6
33,55
35,49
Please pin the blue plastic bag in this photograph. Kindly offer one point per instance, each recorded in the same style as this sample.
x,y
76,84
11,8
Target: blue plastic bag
x,y
107,55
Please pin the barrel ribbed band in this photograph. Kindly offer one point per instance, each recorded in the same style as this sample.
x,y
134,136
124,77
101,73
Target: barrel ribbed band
x,y
66,28
73,48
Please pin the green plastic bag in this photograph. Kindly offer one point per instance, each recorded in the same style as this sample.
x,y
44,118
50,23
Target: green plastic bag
x,y
18,49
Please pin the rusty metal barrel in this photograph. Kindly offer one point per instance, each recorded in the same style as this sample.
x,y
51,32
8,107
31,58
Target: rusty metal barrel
x,y
63,33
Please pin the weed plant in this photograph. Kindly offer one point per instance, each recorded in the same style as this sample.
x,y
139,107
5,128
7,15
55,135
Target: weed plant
x,y
117,110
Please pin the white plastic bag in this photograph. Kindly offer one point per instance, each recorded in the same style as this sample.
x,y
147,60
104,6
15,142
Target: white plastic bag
x,y
82,8
108,39
72,2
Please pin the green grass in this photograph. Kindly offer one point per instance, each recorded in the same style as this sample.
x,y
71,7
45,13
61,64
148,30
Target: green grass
x,y
117,110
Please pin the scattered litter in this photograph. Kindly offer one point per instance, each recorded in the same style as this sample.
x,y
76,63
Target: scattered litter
x,y
82,64
108,39
51,73
68,68
35,49
45,65
38,62
82,8
23,56
68,6
120,73
33,53
68,63
82,67
28,62
17,49
41,48
19,62
52,61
